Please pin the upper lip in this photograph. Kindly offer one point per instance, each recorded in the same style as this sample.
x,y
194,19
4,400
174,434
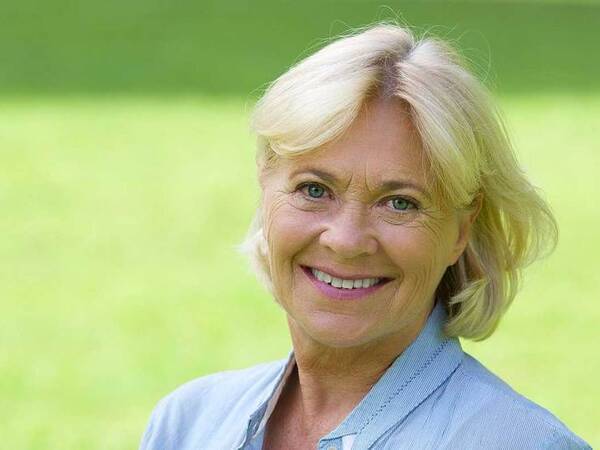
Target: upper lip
x,y
335,273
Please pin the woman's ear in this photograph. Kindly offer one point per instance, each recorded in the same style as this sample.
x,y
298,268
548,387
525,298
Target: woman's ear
x,y
466,219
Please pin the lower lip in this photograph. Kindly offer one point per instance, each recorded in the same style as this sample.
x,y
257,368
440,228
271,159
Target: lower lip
x,y
340,293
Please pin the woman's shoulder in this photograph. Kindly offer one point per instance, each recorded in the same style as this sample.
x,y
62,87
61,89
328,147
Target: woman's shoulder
x,y
248,381
488,406
205,406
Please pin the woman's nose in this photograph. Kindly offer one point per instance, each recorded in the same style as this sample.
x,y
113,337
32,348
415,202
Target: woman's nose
x,y
349,234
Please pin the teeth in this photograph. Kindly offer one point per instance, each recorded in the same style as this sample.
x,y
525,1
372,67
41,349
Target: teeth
x,y
344,284
347,284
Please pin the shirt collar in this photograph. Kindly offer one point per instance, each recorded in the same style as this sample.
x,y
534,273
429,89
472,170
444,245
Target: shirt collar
x,y
258,419
413,376
269,406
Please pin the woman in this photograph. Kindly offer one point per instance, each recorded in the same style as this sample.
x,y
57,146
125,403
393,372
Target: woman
x,y
394,219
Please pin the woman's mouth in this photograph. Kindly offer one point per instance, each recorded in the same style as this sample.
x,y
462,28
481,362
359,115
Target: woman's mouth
x,y
347,288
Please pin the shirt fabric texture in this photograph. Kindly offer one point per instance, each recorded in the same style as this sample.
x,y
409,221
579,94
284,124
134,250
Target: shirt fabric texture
x,y
433,397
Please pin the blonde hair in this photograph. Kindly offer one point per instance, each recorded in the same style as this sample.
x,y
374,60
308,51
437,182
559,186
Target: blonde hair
x,y
464,140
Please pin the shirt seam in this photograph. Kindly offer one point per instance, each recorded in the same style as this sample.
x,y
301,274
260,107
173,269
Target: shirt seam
x,y
418,372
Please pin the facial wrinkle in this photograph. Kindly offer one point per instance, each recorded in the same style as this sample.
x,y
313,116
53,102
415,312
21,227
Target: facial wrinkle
x,y
276,204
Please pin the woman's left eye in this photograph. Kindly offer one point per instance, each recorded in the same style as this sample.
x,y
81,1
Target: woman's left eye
x,y
401,204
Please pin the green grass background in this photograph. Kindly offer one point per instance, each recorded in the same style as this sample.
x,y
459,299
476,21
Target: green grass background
x,y
127,178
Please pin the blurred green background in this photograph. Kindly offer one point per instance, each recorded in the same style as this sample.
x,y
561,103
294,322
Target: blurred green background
x,y
127,178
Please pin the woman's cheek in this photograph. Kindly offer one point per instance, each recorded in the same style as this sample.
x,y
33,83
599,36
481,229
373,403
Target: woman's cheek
x,y
287,225
289,235
415,249
288,231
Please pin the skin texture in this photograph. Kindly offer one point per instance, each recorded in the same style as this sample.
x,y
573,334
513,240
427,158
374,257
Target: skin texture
x,y
343,347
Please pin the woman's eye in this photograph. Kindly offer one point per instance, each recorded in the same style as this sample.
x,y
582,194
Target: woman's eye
x,y
313,190
401,204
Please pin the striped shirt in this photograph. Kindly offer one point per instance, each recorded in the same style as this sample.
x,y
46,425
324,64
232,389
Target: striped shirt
x,y
434,396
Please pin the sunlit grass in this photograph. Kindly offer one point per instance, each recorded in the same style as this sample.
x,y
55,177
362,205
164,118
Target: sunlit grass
x,y
120,280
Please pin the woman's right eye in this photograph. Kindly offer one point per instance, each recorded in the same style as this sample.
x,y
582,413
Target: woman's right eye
x,y
313,190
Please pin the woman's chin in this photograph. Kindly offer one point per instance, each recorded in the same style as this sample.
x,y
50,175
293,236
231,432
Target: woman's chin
x,y
341,333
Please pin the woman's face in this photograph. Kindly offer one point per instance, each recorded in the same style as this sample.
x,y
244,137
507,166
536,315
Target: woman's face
x,y
357,245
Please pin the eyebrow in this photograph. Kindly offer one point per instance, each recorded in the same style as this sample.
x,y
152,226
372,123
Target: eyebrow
x,y
385,186
325,176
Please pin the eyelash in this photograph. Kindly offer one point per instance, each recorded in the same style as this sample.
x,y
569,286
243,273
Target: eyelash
x,y
413,204
302,187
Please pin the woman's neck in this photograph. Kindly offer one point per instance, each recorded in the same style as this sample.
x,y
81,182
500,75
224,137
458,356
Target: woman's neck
x,y
330,382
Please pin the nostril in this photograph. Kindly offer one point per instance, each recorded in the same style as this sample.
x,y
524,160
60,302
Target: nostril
x,y
349,243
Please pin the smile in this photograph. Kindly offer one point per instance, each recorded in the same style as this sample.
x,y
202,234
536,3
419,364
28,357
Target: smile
x,y
342,283
347,288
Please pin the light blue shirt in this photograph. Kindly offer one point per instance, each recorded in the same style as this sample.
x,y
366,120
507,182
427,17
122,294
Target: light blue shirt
x,y
434,396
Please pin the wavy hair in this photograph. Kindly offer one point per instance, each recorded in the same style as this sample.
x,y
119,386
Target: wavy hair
x,y
464,140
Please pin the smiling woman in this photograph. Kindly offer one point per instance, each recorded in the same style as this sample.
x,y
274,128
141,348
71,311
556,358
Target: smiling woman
x,y
394,219
358,209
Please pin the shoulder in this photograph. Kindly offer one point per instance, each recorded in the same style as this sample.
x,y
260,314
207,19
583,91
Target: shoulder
x,y
487,407
227,386
204,405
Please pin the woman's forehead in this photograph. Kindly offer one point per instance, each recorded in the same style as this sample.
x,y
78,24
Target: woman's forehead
x,y
380,146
